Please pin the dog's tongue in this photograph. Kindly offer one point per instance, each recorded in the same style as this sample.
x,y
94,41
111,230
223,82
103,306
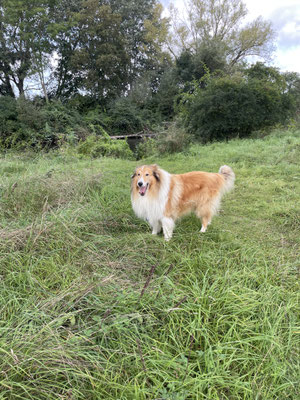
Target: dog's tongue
x,y
142,190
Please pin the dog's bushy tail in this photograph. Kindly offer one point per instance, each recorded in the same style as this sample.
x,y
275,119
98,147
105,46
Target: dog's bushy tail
x,y
229,176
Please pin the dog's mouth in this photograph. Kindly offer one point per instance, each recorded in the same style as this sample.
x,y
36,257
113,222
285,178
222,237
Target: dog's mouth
x,y
143,189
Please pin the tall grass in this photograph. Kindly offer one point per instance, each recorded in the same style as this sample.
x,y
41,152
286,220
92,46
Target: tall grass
x,y
94,307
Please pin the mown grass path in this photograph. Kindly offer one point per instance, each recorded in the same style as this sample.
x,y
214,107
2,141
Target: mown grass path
x,y
94,307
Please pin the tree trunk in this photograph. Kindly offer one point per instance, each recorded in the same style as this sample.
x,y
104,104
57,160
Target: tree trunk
x,y
20,86
6,87
43,84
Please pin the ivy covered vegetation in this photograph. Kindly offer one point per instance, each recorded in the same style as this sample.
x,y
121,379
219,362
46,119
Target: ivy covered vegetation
x,y
72,69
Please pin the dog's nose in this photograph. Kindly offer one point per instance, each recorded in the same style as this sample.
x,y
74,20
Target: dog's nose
x,y
140,184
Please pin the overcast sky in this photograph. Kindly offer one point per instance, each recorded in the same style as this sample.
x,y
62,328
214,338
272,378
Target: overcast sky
x,y
285,18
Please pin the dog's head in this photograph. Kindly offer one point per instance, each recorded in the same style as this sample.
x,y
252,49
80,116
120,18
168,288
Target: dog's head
x,y
145,178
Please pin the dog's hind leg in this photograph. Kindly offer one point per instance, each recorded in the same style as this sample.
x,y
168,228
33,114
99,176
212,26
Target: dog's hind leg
x,y
156,227
205,215
205,221
168,227
207,211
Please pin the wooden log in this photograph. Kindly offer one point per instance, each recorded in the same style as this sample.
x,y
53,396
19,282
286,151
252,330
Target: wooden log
x,y
133,136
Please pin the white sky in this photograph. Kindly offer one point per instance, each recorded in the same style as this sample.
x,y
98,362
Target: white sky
x,y
285,18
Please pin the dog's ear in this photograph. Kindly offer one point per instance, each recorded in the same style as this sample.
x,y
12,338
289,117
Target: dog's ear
x,y
156,173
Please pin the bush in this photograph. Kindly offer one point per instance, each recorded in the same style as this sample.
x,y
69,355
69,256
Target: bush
x,y
26,123
146,148
99,146
234,107
125,117
9,123
173,139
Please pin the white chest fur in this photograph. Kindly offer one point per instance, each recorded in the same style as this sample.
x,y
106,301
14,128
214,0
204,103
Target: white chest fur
x,y
150,208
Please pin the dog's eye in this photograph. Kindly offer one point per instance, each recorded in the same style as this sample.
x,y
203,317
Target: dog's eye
x,y
139,174
147,174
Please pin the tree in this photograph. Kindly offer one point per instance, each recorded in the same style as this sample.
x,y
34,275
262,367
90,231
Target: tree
x,y
65,33
208,57
96,47
235,106
104,46
263,73
23,41
100,60
292,80
6,88
219,21
145,31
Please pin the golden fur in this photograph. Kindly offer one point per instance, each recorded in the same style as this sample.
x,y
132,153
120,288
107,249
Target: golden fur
x,y
161,198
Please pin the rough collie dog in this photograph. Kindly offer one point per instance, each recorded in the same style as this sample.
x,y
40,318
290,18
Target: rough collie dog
x,y
161,198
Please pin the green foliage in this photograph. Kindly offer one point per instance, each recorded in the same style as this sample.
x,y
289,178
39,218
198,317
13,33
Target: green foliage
x,y
113,71
26,123
24,40
99,59
125,117
145,31
8,116
173,139
208,57
20,122
149,101
101,47
236,106
292,81
165,96
146,148
104,146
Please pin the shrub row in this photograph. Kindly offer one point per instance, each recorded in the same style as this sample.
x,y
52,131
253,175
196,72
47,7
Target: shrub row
x,y
33,124
36,125
214,107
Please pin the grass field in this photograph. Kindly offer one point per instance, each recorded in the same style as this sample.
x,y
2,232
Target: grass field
x,y
92,306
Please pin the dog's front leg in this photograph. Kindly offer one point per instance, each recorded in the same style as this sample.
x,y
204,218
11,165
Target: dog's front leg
x,y
156,227
168,225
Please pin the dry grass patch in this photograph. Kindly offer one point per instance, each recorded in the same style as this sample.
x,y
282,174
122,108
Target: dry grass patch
x,y
35,195
17,238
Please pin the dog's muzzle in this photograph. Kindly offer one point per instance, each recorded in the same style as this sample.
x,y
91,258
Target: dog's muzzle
x,y
142,188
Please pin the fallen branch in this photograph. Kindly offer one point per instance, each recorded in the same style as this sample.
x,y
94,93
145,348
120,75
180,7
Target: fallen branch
x,y
148,280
